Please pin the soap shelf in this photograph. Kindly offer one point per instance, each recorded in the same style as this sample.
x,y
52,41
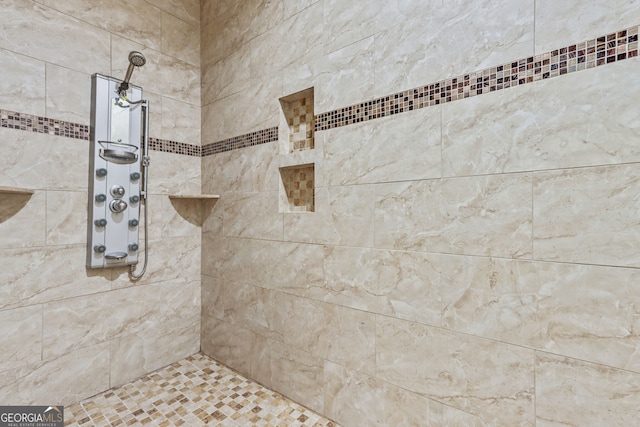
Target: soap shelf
x,y
194,196
183,204
15,190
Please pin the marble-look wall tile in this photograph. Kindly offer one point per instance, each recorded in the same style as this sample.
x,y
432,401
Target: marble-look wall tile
x,y
18,210
180,121
443,42
355,398
156,217
343,77
295,268
228,117
556,123
247,306
291,7
405,408
22,84
30,160
401,284
181,39
444,416
343,216
187,10
484,377
335,333
60,381
253,215
475,216
587,215
212,215
227,76
291,39
349,22
249,169
298,375
212,303
209,10
20,337
68,94
133,356
136,20
228,344
84,321
173,174
572,392
582,311
39,275
340,78
235,25
352,398
66,217
396,148
39,31
563,23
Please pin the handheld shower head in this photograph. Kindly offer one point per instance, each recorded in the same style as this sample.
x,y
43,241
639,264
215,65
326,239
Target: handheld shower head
x,y
136,59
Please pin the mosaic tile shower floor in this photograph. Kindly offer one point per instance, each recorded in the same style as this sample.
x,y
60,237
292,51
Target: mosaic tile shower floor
x,y
195,391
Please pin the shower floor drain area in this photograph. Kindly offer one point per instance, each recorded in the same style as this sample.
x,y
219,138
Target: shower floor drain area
x,y
195,391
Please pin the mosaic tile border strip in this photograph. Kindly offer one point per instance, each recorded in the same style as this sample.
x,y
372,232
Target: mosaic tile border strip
x,y
247,140
589,54
39,124
31,123
592,53
174,147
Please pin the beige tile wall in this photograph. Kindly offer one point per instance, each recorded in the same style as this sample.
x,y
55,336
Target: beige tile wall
x,y
472,263
66,332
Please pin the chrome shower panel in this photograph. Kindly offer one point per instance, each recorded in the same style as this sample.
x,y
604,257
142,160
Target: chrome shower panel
x,y
114,174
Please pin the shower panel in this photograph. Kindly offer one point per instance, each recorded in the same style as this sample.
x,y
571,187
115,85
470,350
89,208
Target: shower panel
x,y
117,172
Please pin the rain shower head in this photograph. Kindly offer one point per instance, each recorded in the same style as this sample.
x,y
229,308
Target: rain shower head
x,y
136,59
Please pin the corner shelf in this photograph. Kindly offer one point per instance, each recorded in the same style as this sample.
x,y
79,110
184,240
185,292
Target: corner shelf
x,y
184,203
15,190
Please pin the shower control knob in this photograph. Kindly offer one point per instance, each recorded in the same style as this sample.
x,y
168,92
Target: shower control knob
x,y
133,247
117,191
100,197
100,248
117,206
100,222
101,172
134,199
135,176
133,222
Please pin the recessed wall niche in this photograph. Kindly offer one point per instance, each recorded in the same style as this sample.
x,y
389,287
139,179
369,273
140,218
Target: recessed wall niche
x,y
297,190
299,116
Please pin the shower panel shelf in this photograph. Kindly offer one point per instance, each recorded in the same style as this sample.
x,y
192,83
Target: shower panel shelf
x,y
15,190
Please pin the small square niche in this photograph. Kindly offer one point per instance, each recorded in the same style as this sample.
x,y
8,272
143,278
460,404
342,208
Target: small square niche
x,y
298,113
297,190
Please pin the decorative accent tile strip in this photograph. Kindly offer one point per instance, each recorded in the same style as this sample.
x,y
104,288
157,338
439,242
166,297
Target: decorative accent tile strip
x,y
589,54
168,146
247,140
38,124
592,53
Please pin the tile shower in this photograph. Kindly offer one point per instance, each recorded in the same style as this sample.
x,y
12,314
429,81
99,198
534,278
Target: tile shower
x,y
467,256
